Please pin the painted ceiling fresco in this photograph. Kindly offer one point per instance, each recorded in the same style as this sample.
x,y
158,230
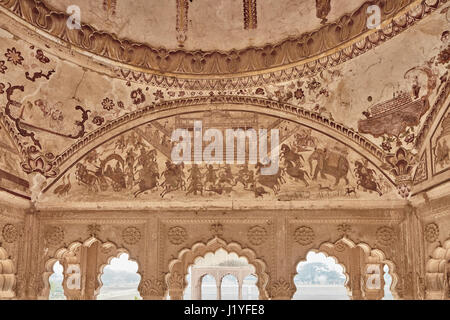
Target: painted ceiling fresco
x,y
440,144
88,124
138,165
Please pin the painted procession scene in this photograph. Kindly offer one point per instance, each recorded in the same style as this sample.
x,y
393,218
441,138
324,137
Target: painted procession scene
x,y
138,164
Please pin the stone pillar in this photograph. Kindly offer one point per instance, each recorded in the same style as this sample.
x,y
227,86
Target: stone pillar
x,y
356,260
219,293
29,279
177,286
90,267
196,285
411,262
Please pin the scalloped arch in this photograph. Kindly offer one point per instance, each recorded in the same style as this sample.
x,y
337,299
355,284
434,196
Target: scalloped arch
x,y
187,257
375,255
336,260
69,250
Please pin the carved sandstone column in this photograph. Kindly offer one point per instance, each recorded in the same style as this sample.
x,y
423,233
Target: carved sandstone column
x,y
30,280
356,260
177,285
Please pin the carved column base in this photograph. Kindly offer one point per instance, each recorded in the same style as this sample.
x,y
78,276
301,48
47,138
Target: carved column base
x,y
153,297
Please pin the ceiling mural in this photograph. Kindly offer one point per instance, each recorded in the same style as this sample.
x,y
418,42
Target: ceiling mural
x,y
76,123
138,165
440,144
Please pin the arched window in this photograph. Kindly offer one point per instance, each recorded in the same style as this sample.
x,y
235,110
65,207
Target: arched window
x,y
320,278
249,289
120,280
208,288
229,267
229,288
56,283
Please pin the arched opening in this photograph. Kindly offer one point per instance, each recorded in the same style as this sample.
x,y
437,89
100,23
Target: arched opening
x,y
250,290
208,287
220,276
120,280
184,274
229,288
320,278
83,264
56,283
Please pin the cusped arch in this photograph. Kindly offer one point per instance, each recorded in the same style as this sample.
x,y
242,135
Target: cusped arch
x,y
118,253
313,120
371,256
7,276
111,249
178,268
336,260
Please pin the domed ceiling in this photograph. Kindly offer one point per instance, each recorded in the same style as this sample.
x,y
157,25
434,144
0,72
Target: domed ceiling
x,y
80,107
203,37
221,25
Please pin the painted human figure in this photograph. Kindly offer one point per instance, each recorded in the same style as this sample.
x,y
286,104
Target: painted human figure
x,y
242,176
211,176
196,180
416,87
227,175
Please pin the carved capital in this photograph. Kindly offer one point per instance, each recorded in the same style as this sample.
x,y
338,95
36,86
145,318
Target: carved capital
x,y
281,290
152,289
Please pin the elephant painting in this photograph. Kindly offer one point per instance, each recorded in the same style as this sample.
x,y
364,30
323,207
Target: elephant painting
x,y
329,163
